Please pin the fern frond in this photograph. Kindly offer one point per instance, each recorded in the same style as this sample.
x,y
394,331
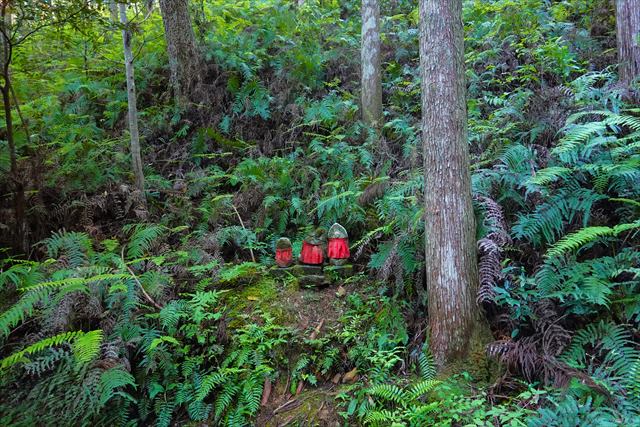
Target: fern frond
x,y
142,238
578,239
389,392
381,417
85,347
423,387
113,379
427,365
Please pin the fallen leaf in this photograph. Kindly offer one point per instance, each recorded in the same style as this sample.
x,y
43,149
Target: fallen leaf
x,y
350,376
341,292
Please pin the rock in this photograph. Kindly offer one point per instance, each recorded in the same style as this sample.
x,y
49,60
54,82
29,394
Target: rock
x,y
303,269
283,272
313,280
339,271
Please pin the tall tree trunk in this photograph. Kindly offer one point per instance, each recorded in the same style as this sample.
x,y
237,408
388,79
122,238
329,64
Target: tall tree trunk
x,y
185,59
371,67
20,241
113,11
451,259
628,32
150,5
131,100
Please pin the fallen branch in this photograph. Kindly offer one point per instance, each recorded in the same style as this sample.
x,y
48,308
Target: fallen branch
x,y
287,406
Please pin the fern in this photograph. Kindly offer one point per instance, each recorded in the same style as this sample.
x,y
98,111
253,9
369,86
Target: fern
x,y
85,347
611,341
389,392
427,365
75,247
143,236
423,387
578,239
111,381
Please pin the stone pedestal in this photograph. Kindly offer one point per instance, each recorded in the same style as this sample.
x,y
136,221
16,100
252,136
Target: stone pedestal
x,y
312,276
313,281
339,271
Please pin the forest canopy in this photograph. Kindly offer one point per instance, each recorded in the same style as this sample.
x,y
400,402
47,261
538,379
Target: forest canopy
x,y
320,212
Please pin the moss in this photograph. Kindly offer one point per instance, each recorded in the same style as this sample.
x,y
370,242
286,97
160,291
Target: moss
x,y
263,295
483,369
317,408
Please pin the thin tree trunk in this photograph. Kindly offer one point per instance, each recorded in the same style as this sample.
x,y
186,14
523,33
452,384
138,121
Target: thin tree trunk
x,y
451,263
131,100
185,59
628,32
113,11
371,67
19,202
150,5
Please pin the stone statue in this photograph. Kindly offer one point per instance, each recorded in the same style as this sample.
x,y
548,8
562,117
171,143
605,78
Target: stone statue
x,y
338,251
313,248
284,253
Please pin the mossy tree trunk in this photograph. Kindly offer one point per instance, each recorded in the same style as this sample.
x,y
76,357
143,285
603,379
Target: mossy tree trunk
x,y
451,260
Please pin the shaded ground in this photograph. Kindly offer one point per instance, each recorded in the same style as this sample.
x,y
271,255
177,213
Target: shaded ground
x,y
310,313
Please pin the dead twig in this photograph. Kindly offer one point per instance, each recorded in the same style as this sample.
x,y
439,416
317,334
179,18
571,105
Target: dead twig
x,y
287,406
135,278
253,258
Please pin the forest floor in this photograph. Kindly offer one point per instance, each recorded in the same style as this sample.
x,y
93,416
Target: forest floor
x,y
310,313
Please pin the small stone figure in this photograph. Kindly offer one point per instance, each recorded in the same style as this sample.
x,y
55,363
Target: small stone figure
x,y
313,248
338,251
284,253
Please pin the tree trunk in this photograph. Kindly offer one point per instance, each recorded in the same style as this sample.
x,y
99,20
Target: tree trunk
x,y
113,11
20,242
628,31
185,59
149,5
451,260
136,159
371,67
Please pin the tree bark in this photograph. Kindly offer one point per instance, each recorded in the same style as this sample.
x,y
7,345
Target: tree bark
x,y
451,259
628,34
19,203
150,5
185,59
113,11
136,159
371,66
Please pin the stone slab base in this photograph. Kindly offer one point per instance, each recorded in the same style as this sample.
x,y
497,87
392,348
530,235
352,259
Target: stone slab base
x,y
315,276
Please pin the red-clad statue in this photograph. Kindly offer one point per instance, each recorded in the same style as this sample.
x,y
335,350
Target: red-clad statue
x,y
284,253
338,251
313,248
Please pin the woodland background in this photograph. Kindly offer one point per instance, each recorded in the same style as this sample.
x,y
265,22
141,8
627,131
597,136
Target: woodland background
x,y
155,307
